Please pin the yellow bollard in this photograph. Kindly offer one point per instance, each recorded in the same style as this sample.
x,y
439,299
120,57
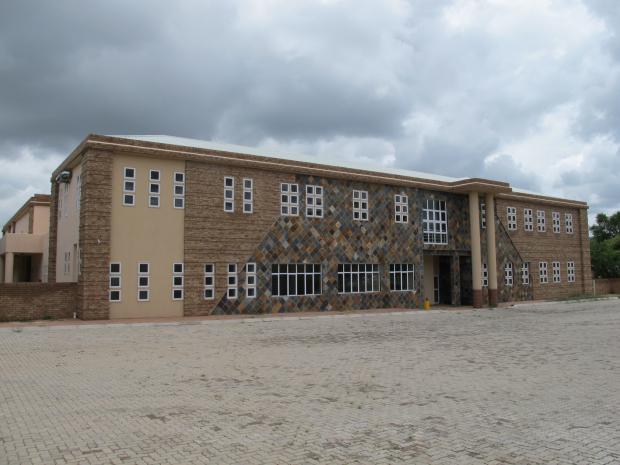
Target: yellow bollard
x,y
427,304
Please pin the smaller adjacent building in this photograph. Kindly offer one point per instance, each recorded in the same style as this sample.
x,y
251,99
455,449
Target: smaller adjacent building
x,y
24,244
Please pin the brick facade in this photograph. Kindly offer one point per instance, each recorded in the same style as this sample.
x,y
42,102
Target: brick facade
x,y
35,301
51,269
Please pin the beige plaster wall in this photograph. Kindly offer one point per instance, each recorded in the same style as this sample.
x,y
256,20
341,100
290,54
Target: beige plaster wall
x,y
21,225
41,223
431,263
144,234
68,229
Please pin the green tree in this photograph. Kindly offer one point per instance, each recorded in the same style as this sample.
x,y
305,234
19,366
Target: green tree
x,y
605,246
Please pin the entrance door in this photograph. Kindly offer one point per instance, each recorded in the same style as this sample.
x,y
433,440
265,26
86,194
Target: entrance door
x,y
436,289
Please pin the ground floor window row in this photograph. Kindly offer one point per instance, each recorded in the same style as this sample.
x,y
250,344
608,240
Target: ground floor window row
x,y
143,281
543,273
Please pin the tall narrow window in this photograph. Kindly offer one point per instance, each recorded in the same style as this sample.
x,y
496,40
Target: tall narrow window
x,y
555,218
360,205
435,222
508,274
568,223
295,279
129,186
250,280
154,188
144,278
355,278
178,200
570,271
248,195
115,282
483,215
525,273
542,272
232,281
511,213
557,278
314,201
209,281
401,277
177,281
528,219
485,275
229,194
401,208
541,222
289,199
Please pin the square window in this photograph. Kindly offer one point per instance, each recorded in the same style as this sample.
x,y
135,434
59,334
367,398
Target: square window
x,y
130,186
128,199
177,280
177,294
251,268
130,173
179,190
143,281
143,295
229,182
209,268
208,294
232,267
143,268
179,177
179,202
115,267
115,296
115,281
153,201
154,175
177,268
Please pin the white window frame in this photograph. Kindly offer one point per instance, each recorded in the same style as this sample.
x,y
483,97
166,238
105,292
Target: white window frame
x,y
250,280
209,276
509,274
435,222
229,202
555,219
115,288
570,271
511,217
543,272
568,223
406,272
232,291
144,275
541,221
248,195
129,192
289,199
557,272
485,275
359,202
292,273
154,195
528,219
401,208
355,272
178,190
483,215
176,275
314,201
525,273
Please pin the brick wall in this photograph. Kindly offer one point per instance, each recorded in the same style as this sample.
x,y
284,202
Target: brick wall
x,y
51,268
606,286
35,301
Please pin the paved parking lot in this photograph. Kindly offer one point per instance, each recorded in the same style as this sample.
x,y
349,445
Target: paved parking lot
x,y
530,385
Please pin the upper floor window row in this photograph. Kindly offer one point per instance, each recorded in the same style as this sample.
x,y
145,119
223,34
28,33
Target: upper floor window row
x,y
130,179
435,222
541,220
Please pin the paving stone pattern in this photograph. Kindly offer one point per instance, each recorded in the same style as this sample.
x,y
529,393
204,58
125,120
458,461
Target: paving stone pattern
x,y
529,385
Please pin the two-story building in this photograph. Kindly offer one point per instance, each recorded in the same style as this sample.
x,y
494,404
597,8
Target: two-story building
x,y
154,226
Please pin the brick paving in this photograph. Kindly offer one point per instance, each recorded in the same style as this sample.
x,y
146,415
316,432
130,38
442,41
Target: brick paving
x,y
537,384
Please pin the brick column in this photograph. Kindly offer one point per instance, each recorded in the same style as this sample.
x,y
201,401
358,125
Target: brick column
x,y
491,252
476,258
1,269
586,265
8,267
51,256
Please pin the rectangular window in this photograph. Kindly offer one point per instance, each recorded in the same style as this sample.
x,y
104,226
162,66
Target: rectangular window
x,y
483,215
115,282
314,201
154,188
178,185
289,199
177,281
401,208
65,200
540,219
231,292
401,277
525,273
528,219
143,282
248,195
435,222
511,213
67,263
555,218
568,223
355,278
557,278
485,275
570,271
209,281
295,279
542,272
508,274
229,194
360,205
129,187
250,280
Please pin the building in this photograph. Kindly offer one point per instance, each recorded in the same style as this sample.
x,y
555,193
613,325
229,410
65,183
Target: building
x,y
153,226
25,242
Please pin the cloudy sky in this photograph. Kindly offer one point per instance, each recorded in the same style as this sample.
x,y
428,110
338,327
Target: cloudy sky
x,y
526,91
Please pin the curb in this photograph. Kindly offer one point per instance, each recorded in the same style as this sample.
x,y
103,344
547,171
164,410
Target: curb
x,y
572,301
